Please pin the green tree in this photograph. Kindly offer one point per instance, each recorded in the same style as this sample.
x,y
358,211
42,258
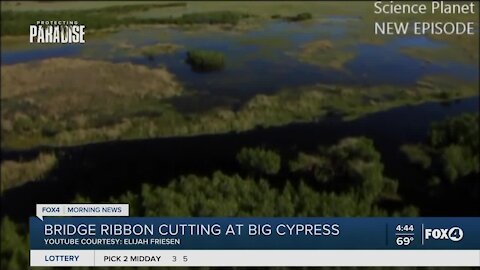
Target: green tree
x,y
14,251
416,154
458,162
352,165
454,144
231,195
462,130
319,166
259,160
453,157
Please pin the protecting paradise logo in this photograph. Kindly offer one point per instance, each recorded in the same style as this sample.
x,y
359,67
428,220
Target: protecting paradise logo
x,y
57,32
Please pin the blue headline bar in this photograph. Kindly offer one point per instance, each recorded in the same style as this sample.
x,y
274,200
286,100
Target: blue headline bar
x,y
254,233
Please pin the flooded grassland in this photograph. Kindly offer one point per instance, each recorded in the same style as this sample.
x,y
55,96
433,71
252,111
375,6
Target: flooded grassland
x,y
134,82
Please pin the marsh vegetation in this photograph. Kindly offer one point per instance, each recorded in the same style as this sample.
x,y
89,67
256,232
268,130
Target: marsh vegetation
x,y
71,101
16,23
17,173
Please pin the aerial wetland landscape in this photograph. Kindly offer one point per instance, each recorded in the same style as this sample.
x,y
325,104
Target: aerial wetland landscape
x,y
236,109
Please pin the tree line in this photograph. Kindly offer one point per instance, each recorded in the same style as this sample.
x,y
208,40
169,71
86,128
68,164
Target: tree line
x,y
346,179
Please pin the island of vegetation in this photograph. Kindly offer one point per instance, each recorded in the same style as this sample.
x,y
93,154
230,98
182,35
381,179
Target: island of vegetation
x,y
295,18
324,54
204,60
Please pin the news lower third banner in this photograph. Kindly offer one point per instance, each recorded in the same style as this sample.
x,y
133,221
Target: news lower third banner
x,y
159,241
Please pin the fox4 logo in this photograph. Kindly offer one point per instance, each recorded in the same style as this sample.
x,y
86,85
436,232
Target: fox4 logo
x,y
454,234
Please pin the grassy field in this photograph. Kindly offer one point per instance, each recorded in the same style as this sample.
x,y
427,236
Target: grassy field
x,y
63,5
262,8
15,23
267,9
43,99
